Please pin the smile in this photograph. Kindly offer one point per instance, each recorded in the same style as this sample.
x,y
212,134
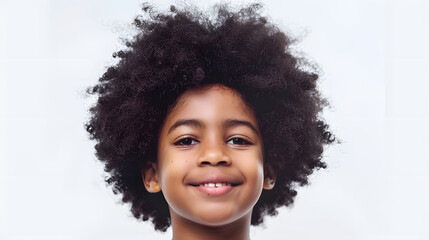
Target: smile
x,y
214,184
214,189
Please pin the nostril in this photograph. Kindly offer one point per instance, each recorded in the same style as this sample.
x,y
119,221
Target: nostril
x,y
222,163
215,164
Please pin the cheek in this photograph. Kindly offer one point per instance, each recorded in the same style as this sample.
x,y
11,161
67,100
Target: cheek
x,y
256,177
173,171
251,166
257,183
173,168
250,162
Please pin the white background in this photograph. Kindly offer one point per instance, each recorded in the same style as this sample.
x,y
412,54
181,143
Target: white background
x,y
374,56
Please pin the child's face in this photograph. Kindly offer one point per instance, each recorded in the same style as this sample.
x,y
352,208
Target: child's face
x,y
210,137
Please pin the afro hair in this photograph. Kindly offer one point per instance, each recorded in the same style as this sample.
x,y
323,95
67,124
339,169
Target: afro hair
x,y
185,48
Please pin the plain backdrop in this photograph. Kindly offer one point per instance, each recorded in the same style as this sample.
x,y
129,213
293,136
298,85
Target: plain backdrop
x,y
374,56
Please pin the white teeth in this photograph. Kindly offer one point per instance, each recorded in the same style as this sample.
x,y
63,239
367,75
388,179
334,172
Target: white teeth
x,y
214,184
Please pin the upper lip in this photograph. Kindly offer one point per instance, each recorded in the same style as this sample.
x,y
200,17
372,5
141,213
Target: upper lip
x,y
216,179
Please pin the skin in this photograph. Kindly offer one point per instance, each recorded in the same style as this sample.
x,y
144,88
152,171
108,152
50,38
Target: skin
x,y
209,134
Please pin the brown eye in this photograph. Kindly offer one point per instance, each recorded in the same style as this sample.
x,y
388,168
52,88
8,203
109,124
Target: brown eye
x,y
238,141
186,142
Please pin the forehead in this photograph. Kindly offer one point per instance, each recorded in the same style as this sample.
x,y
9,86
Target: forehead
x,y
212,101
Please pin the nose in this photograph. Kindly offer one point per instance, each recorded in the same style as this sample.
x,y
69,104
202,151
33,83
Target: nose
x,y
214,155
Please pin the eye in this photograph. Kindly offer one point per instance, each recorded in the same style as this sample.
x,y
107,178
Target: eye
x,y
238,141
186,142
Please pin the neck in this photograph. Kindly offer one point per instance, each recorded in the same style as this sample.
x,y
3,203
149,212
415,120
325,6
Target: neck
x,y
185,229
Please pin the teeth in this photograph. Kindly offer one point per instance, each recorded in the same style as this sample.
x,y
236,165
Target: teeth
x,y
215,184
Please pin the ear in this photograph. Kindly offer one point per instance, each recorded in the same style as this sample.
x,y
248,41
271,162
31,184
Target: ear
x,y
269,177
150,177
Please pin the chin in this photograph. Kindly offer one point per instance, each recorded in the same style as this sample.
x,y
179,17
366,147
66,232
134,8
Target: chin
x,y
220,218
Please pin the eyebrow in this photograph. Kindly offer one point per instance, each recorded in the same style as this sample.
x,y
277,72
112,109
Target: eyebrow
x,y
229,123
186,122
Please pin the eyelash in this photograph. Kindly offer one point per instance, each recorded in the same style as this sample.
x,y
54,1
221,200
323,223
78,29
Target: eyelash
x,y
185,141
242,140
182,142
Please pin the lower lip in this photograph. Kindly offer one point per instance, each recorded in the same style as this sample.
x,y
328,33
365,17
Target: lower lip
x,y
215,191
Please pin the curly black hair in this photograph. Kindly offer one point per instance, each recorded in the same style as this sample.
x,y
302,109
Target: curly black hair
x,y
181,49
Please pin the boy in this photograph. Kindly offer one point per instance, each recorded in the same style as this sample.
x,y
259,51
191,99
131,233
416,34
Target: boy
x,y
208,124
